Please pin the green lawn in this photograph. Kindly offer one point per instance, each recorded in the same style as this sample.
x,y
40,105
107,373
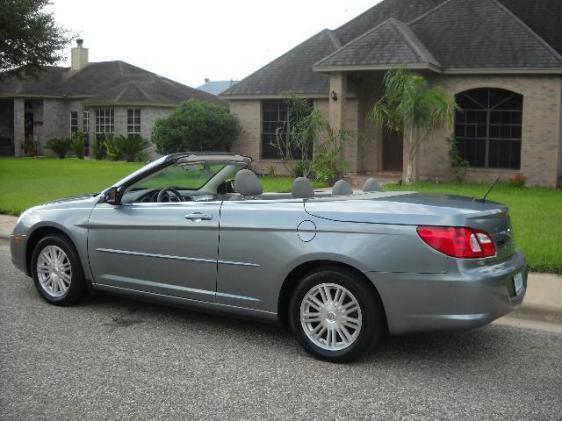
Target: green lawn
x,y
26,182
536,213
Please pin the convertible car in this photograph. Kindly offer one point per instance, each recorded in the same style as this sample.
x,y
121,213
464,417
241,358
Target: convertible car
x,y
342,268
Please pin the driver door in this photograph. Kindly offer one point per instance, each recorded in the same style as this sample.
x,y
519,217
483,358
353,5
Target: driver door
x,y
167,248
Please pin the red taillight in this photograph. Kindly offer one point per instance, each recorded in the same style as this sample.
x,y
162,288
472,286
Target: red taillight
x,y
466,243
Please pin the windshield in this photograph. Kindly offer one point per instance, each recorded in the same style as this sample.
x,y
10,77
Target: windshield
x,y
180,176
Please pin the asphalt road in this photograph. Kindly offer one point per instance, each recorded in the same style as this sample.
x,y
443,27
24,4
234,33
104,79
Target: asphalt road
x,y
115,358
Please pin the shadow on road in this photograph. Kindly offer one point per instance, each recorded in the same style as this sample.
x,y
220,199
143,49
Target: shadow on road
x,y
431,346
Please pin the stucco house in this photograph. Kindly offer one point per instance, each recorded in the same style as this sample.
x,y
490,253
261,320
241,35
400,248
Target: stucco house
x,y
96,98
500,59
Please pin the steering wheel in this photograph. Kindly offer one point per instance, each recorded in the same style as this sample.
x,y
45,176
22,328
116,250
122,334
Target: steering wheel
x,y
169,193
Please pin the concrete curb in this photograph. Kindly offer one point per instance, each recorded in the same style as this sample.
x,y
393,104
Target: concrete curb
x,y
537,313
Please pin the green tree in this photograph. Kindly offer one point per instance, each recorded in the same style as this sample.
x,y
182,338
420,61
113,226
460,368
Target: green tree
x,y
196,126
29,37
410,106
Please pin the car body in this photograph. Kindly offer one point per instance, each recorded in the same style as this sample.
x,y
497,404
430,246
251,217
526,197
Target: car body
x,y
246,255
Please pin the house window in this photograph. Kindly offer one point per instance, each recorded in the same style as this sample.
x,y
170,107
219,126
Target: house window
x,y
73,123
134,122
86,122
276,121
488,127
105,124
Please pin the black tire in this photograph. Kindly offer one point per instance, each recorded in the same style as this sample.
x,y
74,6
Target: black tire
x,y
372,329
77,289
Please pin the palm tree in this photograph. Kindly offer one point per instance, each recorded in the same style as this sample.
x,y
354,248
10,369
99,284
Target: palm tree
x,y
410,106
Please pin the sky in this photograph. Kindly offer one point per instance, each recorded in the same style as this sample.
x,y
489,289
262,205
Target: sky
x,y
189,40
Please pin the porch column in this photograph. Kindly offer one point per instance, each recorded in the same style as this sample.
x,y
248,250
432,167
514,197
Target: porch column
x,y
343,115
336,100
19,125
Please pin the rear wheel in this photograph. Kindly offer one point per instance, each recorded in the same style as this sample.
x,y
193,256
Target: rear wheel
x,y
335,315
57,271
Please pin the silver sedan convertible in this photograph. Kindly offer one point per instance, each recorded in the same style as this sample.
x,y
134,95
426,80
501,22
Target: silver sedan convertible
x,y
341,268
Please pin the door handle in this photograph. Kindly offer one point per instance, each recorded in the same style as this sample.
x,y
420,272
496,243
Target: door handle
x,y
198,217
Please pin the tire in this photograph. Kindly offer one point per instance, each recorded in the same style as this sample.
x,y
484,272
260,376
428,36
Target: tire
x,y
331,331
68,285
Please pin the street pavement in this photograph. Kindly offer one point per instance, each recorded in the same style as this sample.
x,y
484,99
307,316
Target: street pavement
x,y
113,358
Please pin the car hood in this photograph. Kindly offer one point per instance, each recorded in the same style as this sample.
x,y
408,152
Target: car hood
x,y
86,199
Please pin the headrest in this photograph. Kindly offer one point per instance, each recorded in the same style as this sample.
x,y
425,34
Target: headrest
x,y
371,185
342,188
247,183
302,188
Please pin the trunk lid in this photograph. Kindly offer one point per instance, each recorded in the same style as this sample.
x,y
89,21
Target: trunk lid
x,y
408,208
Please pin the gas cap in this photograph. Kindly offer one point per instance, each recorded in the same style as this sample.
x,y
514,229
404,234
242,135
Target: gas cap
x,y
306,231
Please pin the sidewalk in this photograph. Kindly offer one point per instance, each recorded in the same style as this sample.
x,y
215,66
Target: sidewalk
x,y
543,301
7,223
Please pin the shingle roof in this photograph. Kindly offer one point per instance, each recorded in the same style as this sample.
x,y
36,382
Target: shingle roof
x,y
391,42
456,34
107,82
292,71
482,34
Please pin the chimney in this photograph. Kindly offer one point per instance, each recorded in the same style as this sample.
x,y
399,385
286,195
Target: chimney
x,y
79,56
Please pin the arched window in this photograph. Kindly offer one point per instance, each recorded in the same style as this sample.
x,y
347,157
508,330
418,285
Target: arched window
x,y
488,127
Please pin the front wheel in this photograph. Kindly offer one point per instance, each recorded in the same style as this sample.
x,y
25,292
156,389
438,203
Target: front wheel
x,y
57,271
335,315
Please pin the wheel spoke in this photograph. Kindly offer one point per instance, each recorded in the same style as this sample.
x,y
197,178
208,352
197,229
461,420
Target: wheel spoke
x,y
311,317
313,302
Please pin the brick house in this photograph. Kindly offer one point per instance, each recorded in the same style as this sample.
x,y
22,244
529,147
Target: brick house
x,y
111,97
500,59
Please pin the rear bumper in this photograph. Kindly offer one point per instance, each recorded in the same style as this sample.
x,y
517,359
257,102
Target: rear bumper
x,y
468,297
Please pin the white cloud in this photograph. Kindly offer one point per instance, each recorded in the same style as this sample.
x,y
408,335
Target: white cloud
x,y
190,40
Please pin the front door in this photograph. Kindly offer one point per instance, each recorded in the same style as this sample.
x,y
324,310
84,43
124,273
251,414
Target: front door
x,y
153,244
392,151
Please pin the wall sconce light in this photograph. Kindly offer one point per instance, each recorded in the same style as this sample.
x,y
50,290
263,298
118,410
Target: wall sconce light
x,y
334,96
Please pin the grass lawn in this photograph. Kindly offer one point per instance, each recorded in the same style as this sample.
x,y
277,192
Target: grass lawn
x,y
26,182
536,213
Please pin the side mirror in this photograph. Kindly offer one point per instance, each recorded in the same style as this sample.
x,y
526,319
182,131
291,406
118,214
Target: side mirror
x,y
111,196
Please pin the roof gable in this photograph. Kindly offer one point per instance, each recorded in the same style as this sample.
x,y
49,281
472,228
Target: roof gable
x,y
482,34
389,44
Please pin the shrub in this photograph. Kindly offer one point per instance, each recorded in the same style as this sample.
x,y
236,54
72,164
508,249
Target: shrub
x,y
78,144
133,148
196,126
112,147
459,166
518,180
98,149
60,146
328,163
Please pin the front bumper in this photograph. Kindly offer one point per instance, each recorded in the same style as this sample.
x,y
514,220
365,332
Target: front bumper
x,y
17,251
467,297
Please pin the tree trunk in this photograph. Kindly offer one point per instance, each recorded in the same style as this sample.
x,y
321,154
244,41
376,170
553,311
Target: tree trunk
x,y
411,176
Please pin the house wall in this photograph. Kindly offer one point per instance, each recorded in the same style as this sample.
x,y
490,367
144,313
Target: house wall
x,y
19,125
541,131
55,123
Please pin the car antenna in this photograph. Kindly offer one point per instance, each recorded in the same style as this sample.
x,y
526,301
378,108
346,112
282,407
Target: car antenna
x,y
483,199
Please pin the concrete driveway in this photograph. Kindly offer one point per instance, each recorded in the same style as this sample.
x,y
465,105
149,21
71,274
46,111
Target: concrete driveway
x,y
114,358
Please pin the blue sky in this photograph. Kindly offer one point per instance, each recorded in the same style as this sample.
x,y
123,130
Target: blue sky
x,y
191,40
